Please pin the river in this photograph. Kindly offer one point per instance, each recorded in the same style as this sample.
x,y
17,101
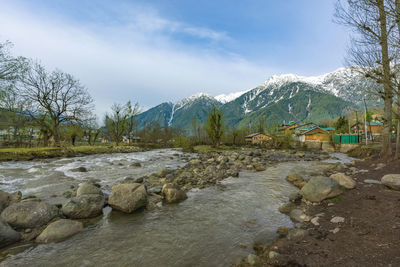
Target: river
x,y
213,227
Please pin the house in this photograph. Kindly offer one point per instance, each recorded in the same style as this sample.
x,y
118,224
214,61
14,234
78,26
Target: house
x,y
287,128
373,127
316,134
257,138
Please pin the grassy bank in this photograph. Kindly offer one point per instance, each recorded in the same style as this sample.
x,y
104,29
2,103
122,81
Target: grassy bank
x,y
207,148
7,154
365,151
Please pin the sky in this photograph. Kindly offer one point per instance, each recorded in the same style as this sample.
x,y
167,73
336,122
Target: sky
x,y
154,51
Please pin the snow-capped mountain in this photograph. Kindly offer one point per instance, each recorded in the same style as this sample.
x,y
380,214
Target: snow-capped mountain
x,y
281,97
181,113
225,98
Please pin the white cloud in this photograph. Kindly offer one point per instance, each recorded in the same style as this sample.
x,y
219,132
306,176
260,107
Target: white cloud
x,y
132,59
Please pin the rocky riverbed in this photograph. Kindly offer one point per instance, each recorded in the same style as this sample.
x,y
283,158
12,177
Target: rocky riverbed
x,y
41,218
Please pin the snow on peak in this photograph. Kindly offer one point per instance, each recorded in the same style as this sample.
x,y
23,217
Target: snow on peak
x,y
225,98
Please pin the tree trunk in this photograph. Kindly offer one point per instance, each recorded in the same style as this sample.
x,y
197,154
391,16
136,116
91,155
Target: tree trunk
x,y
56,136
386,151
396,156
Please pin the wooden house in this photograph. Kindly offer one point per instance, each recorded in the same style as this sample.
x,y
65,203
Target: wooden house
x,y
315,134
257,138
287,128
373,127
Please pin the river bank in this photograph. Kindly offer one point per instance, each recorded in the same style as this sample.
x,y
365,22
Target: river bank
x,y
360,227
21,154
207,171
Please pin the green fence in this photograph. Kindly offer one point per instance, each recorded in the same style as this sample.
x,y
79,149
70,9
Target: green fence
x,y
346,139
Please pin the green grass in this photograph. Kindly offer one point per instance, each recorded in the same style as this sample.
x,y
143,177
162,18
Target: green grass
x,y
365,151
207,148
7,154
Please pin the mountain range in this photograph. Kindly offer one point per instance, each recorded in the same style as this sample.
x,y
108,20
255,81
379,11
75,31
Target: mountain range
x,y
286,97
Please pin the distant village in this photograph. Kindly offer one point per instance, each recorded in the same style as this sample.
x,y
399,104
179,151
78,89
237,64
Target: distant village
x,y
314,136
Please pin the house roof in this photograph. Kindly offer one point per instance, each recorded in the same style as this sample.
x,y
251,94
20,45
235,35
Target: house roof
x,y
371,123
254,134
311,131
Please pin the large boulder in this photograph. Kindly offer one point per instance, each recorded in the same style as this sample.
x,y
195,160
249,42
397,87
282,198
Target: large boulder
x,y
343,180
59,231
173,194
4,200
7,235
84,206
296,180
392,181
30,214
128,197
320,188
7,199
88,189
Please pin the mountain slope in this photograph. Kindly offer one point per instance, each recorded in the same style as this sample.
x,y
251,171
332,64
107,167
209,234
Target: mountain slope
x,y
307,105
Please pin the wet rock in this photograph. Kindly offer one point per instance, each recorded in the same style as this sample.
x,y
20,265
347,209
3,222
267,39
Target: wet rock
x,y
298,216
129,180
163,172
320,188
259,167
59,231
30,214
84,206
297,234
128,197
7,235
296,180
195,162
173,194
283,231
5,200
343,180
232,173
264,239
153,201
136,164
87,189
392,181
252,259
287,208
295,197
155,190
79,169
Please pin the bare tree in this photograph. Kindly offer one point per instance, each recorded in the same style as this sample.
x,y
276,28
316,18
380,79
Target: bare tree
x,y
115,122
131,123
370,50
56,97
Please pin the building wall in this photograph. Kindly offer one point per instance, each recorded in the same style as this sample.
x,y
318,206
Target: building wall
x,y
317,137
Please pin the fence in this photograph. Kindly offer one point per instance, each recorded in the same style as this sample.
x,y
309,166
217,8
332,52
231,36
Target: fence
x,y
347,139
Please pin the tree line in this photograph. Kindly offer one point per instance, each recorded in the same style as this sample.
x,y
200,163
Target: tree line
x,y
54,106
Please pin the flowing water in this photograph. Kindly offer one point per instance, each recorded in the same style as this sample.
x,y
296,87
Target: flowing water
x,y
213,227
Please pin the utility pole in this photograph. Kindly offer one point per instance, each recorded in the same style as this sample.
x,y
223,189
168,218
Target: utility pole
x,y
365,122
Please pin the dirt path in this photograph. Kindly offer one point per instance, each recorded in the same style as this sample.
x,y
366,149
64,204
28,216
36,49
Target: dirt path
x,y
369,235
